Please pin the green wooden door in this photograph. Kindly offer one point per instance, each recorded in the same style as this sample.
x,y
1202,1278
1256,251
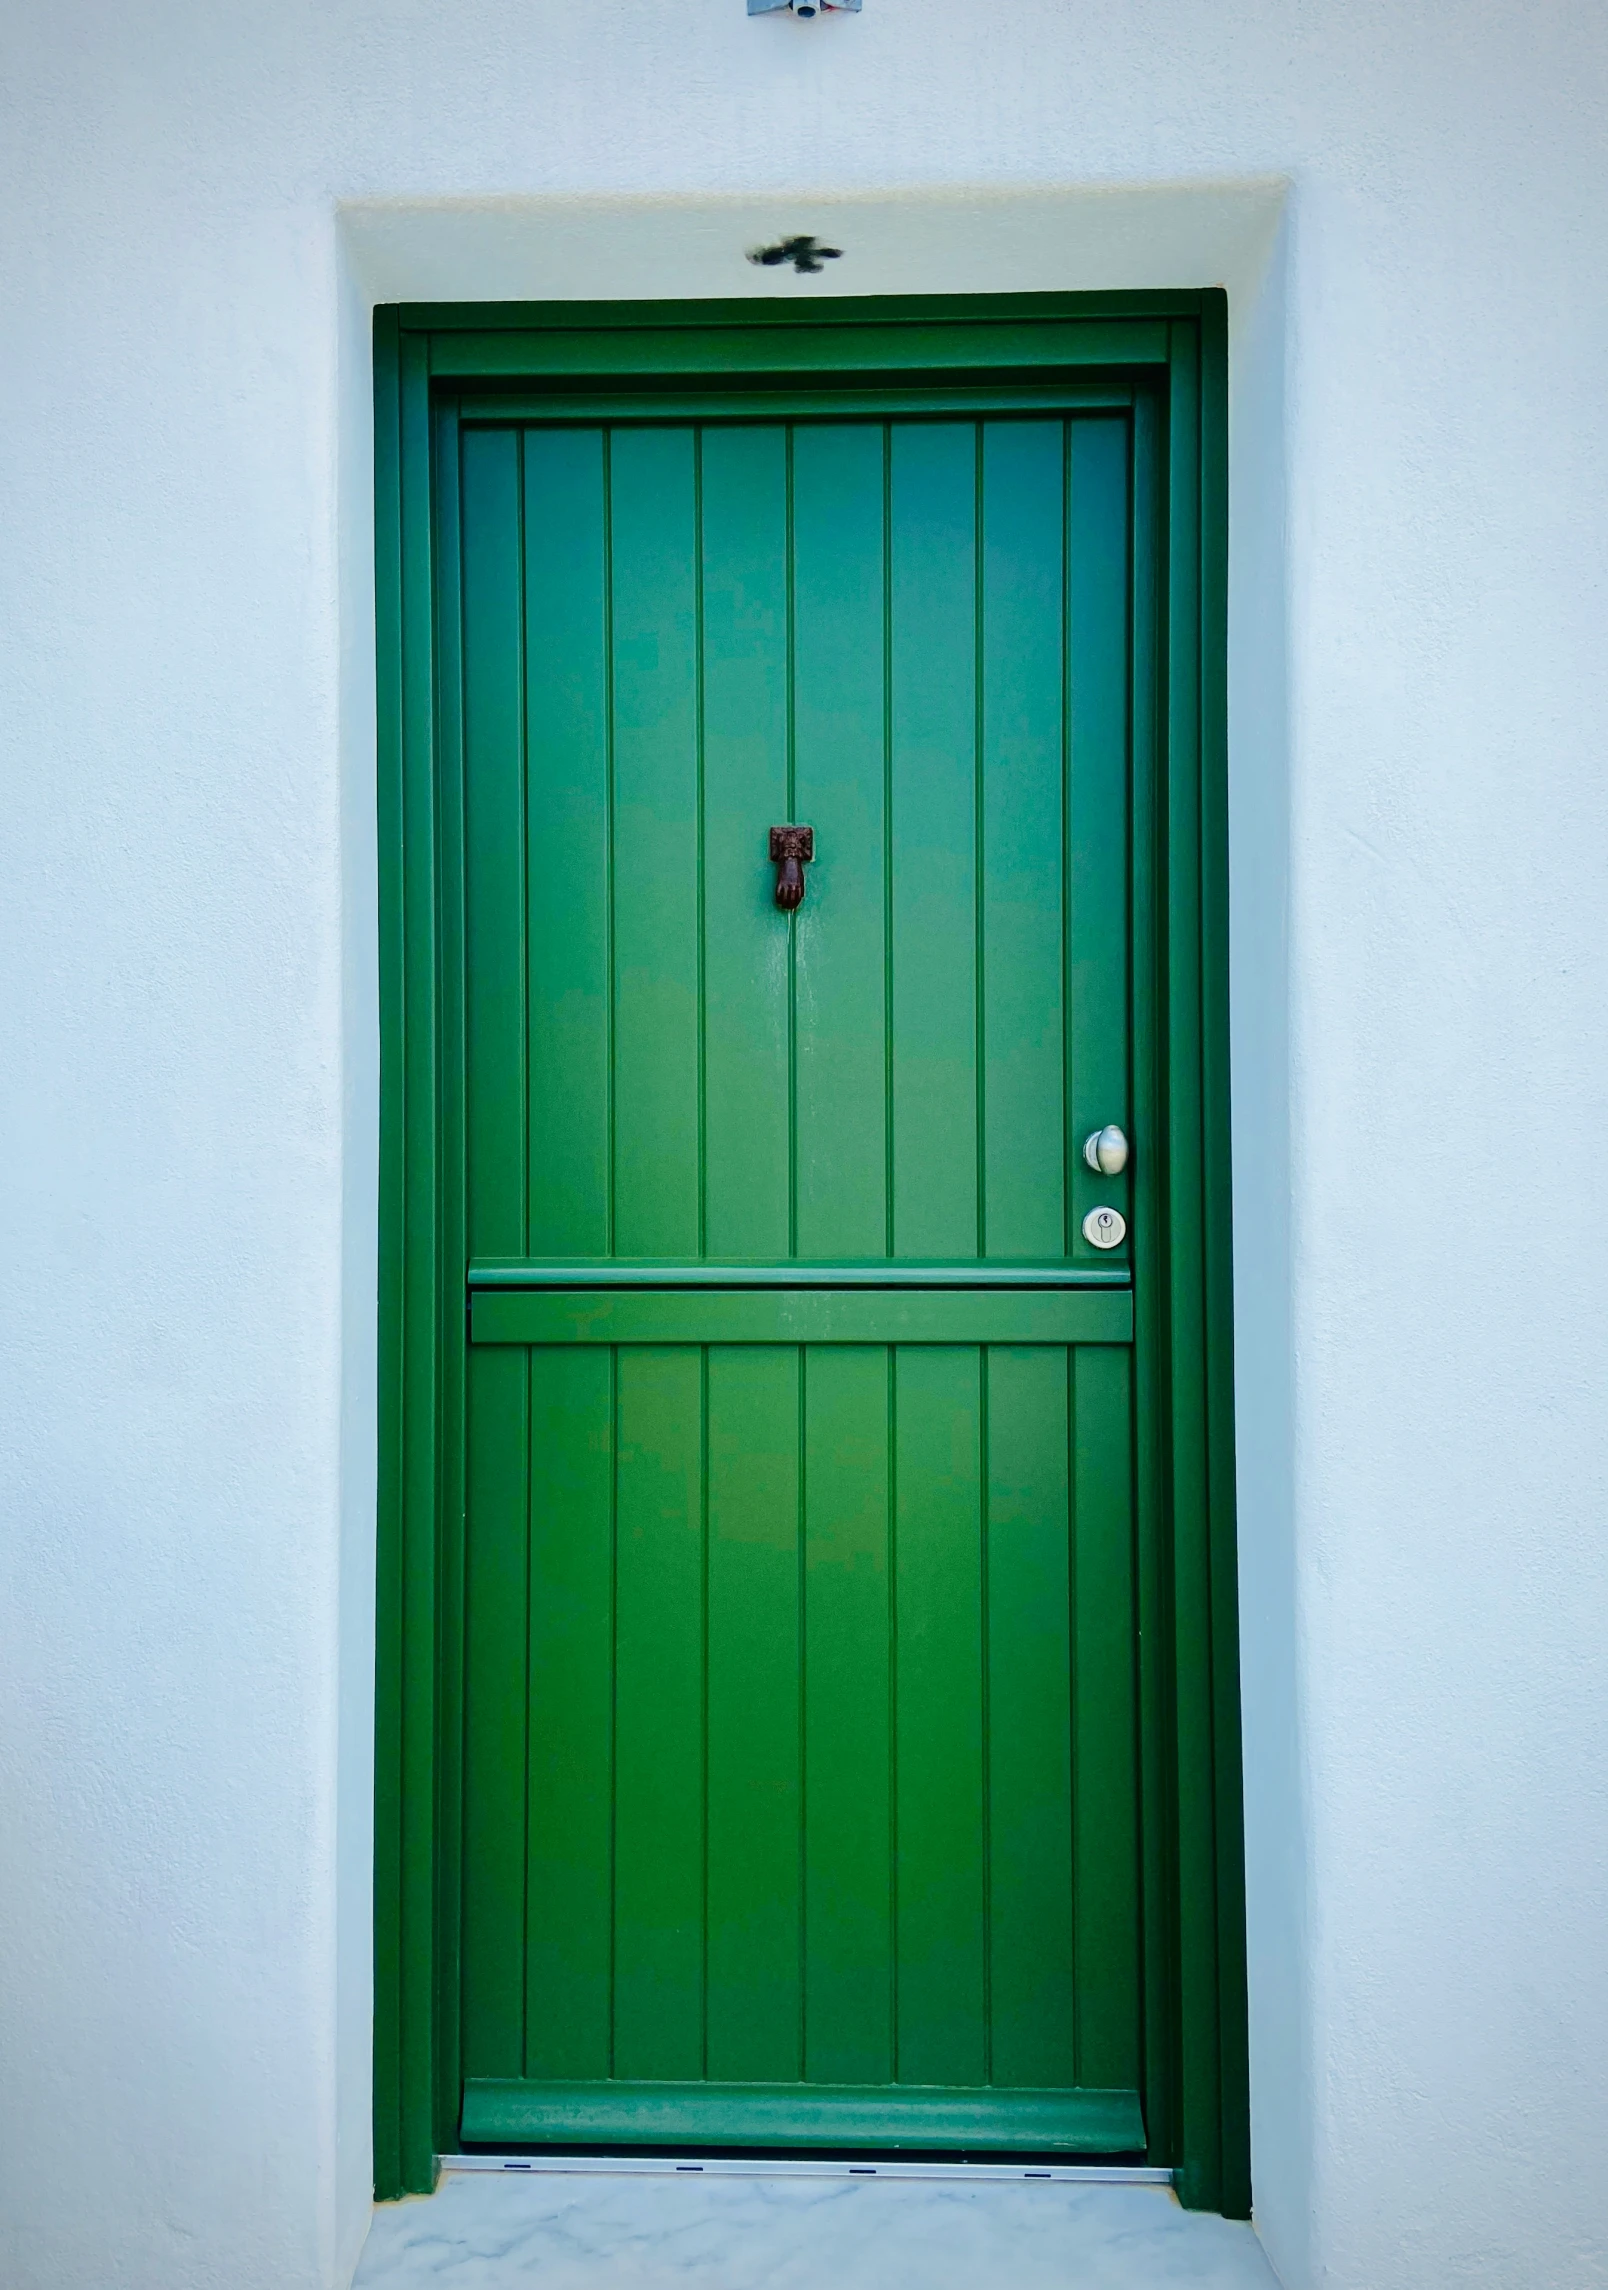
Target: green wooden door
x,y
800,1789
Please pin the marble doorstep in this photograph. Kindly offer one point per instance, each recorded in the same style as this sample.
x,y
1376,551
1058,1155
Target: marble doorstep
x,y
493,2231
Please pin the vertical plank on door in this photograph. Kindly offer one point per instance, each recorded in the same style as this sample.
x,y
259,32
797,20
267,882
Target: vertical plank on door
x,y
1105,1787
755,1878
494,865
1097,809
653,552
933,647
1029,1717
939,1748
659,1715
569,1916
567,841
495,1682
1024,1081
839,932
848,1854
744,543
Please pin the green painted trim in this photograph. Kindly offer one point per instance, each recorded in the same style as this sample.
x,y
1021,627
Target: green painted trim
x,y
450,1202
1143,304
1234,2191
1206,1943
406,1821
737,346
803,2115
803,1316
1195,1934
781,1272
769,401
1157,1811
1166,354
390,2004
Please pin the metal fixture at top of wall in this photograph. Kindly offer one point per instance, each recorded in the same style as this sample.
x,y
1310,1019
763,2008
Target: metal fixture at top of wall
x,y
803,7
803,250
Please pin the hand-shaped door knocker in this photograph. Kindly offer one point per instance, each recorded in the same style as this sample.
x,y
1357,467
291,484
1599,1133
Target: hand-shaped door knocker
x,y
791,850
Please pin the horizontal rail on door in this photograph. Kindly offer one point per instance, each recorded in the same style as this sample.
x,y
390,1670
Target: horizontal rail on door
x,y
802,1316
806,2115
603,405
788,1272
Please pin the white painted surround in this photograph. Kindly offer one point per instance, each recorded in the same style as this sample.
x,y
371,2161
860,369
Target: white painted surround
x,y
198,206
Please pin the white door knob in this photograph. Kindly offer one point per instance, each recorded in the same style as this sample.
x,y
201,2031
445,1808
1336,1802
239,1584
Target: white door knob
x,y
1106,1150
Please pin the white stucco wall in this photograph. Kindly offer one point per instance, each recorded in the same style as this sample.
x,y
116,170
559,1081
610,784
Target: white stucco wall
x,y
197,204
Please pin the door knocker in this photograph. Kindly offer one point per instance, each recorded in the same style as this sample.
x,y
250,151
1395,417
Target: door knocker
x,y
791,850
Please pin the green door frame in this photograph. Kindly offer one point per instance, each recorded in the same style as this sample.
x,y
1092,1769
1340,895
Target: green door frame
x,y
1165,356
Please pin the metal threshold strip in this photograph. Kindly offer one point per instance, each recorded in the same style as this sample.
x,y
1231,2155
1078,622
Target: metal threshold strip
x,y
813,2167
585,1272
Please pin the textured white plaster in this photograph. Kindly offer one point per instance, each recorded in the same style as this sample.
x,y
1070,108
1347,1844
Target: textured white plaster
x,y
199,203
689,2233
